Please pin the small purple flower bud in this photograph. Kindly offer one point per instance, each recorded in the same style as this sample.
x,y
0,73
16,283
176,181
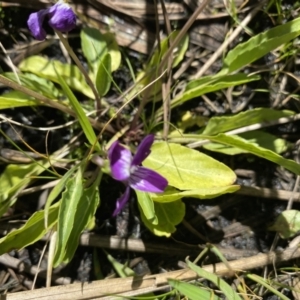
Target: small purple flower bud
x,y
60,17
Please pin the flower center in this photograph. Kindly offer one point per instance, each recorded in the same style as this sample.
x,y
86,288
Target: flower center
x,y
133,169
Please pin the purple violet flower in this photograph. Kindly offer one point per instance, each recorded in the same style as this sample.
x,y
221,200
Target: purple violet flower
x,y
128,169
60,17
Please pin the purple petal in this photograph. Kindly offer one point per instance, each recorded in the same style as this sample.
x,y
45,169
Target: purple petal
x,y
35,24
122,201
120,161
62,17
143,150
147,180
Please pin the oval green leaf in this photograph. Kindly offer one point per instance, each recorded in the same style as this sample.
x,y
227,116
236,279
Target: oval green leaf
x,y
103,76
187,169
95,45
168,216
287,223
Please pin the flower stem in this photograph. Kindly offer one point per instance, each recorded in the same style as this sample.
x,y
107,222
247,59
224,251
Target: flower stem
x,y
81,68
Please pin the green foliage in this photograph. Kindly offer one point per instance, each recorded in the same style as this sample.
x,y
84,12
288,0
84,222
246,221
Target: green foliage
x,y
96,45
287,224
219,282
103,77
16,99
56,191
67,216
192,291
44,68
217,125
190,173
178,55
237,58
150,72
188,169
31,232
199,176
77,208
267,284
198,87
147,206
238,142
36,83
172,194
168,215
257,137
83,120
14,179
122,270
259,45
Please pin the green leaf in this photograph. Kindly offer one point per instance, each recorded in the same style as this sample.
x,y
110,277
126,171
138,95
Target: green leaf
x,y
260,138
113,50
44,68
168,215
260,45
83,120
16,99
198,87
208,193
189,119
268,285
55,192
84,215
69,203
32,231
191,291
122,270
287,224
219,282
14,179
258,115
147,206
35,83
103,77
180,50
235,141
187,169
146,76
95,45
159,52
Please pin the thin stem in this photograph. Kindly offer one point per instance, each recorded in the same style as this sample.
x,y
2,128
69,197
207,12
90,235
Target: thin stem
x,y
161,68
81,68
